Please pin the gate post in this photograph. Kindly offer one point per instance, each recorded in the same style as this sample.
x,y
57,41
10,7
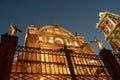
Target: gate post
x,y
7,51
110,63
70,65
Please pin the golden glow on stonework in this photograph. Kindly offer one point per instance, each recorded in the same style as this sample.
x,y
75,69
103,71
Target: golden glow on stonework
x,y
41,78
49,36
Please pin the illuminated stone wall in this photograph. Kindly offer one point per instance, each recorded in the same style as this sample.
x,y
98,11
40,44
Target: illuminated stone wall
x,y
54,37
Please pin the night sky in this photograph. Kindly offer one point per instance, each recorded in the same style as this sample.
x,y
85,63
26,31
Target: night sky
x,y
78,16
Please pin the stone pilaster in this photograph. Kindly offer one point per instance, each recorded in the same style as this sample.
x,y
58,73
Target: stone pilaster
x,y
7,51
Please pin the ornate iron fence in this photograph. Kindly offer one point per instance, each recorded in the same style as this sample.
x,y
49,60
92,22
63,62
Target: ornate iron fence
x,y
117,57
44,64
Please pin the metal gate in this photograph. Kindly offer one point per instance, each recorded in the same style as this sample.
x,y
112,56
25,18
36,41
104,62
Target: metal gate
x,y
44,64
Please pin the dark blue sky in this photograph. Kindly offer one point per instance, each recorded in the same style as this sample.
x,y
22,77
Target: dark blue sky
x,y
74,15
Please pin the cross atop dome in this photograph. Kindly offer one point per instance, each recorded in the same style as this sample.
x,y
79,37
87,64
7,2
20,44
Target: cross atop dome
x,y
55,25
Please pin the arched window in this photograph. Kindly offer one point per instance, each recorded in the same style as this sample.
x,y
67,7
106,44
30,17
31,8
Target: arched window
x,y
67,42
50,40
40,38
76,44
58,41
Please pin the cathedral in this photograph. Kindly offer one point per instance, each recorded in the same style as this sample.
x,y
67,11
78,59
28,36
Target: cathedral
x,y
55,37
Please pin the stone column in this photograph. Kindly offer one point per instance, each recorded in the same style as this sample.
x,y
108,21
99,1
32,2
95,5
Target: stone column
x,y
110,63
7,51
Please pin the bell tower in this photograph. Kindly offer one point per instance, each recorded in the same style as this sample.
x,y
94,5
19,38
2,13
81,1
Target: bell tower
x,y
109,25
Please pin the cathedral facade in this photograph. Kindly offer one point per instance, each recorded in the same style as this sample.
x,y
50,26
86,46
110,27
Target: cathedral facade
x,y
55,37
53,53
